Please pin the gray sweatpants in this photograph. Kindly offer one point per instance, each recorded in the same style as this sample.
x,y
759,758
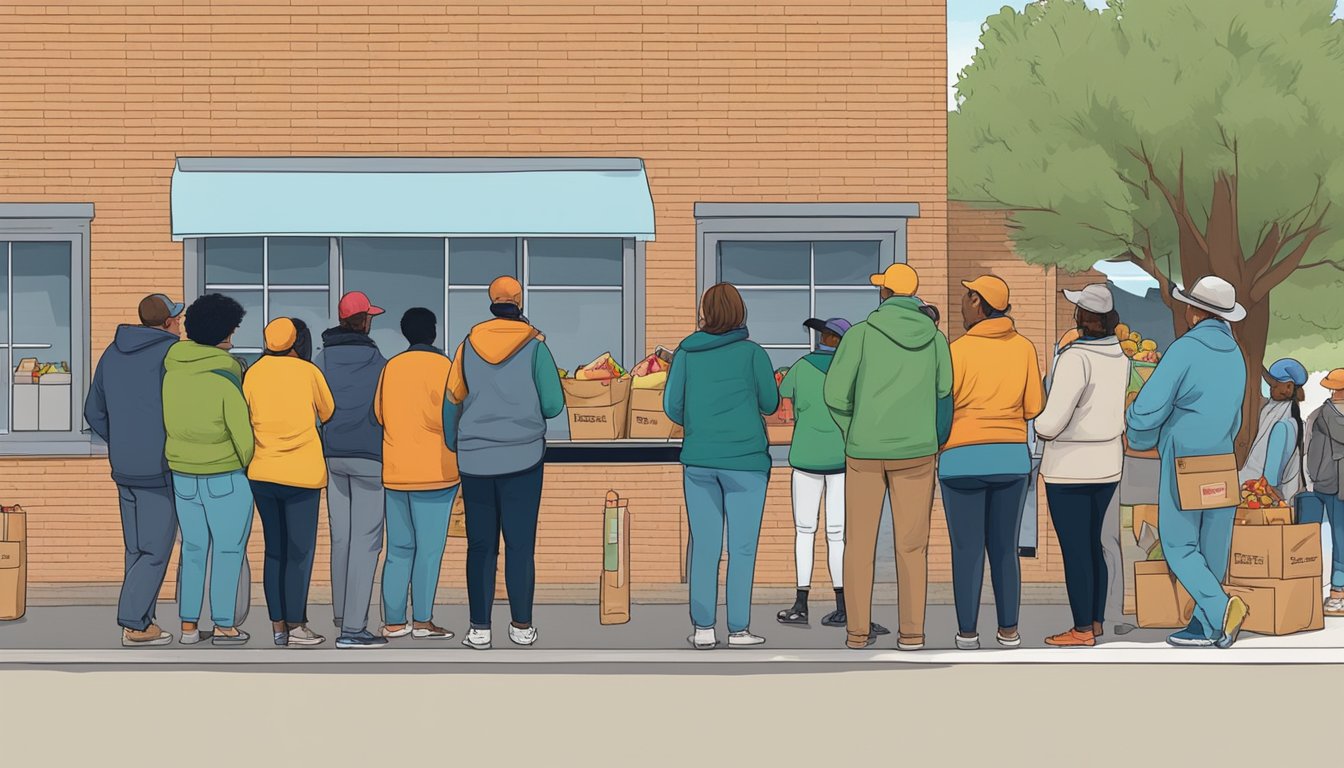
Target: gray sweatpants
x,y
1115,562
148,527
355,511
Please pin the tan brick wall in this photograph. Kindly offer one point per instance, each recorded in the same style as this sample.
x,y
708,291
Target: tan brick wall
x,y
835,101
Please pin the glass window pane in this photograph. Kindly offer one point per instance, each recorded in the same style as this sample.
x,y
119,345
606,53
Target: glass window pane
x,y
249,333
846,262
479,260
233,261
574,261
311,307
299,260
776,317
764,262
854,306
397,273
466,308
40,295
784,358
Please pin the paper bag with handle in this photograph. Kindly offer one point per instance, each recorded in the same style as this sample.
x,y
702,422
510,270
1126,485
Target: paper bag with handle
x,y
614,588
1207,482
13,563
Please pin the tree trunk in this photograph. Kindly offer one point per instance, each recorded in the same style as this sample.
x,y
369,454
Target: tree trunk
x,y
1252,336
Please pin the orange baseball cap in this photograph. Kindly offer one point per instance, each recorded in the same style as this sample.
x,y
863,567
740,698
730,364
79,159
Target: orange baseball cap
x,y
900,279
993,290
505,289
1334,380
280,334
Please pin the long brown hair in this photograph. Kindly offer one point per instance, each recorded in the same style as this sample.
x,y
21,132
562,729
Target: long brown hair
x,y
722,309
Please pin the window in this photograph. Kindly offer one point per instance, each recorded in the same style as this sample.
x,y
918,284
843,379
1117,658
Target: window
x,y
271,277
43,331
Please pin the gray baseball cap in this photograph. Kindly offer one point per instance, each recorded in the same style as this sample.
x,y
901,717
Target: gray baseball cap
x,y
1094,298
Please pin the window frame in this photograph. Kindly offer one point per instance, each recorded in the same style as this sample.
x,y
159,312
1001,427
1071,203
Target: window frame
x,y
57,222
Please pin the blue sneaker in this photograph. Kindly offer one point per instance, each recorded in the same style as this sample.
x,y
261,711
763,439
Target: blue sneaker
x,y
363,639
1191,637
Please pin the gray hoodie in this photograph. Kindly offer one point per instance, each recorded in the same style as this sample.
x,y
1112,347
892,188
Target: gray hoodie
x,y
1325,451
125,405
351,363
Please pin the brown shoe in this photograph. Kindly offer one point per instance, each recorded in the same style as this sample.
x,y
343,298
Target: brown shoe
x,y
151,636
1072,639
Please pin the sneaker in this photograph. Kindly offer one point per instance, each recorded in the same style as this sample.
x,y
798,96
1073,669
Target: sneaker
x,y
281,639
703,639
303,637
794,616
744,639
1008,641
219,639
1334,606
520,636
431,631
835,618
1190,637
477,639
195,636
867,642
396,630
910,644
877,629
968,643
152,635
1072,639
362,639
1233,620
1124,629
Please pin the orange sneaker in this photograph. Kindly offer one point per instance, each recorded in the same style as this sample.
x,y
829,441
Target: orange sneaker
x,y
1072,639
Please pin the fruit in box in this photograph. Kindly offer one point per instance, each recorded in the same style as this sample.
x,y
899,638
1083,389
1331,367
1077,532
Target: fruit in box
x,y
1130,348
1135,347
652,381
604,367
652,364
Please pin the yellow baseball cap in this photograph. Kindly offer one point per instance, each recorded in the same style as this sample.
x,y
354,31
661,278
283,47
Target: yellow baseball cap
x,y
281,334
993,290
1334,380
900,279
506,290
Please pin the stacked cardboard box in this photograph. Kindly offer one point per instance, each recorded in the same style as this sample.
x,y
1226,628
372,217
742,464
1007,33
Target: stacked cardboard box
x,y
13,563
1276,568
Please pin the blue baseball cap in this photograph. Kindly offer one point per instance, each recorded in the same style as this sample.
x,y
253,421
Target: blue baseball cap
x,y
836,325
1288,369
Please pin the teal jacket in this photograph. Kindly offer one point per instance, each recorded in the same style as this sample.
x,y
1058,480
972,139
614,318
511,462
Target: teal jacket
x,y
818,447
890,385
719,387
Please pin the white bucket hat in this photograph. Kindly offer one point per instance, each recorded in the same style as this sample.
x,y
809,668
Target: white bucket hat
x,y
1212,294
1094,298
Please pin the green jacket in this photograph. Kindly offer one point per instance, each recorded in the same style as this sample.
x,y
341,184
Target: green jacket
x,y
818,447
890,385
204,413
718,389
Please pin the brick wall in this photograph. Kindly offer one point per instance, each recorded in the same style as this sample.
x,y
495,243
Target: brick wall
x,y
836,102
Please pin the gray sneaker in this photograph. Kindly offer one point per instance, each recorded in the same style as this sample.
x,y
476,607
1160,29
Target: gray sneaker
x,y
968,643
194,637
303,637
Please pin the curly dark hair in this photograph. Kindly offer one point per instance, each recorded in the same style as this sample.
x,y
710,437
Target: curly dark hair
x,y
213,318
419,325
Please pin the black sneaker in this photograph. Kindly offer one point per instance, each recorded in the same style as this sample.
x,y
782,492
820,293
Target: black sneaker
x,y
794,616
878,629
364,639
834,619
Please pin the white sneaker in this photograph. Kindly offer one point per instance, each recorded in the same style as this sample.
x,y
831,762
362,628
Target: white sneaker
x,y
192,638
1008,642
703,639
1334,606
404,630
744,639
968,643
303,637
522,636
477,639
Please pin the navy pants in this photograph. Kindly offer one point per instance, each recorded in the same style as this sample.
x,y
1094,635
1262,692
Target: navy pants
x,y
1079,513
289,525
984,516
507,505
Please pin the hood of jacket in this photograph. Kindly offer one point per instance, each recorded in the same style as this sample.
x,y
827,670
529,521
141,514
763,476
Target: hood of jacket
x,y
1214,334
131,339
341,337
190,357
900,320
1000,327
1107,347
701,341
820,359
1332,420
499,339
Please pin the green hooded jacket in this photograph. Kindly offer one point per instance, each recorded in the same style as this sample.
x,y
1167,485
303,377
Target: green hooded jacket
x,y
718,389
890,385
204,413
818,447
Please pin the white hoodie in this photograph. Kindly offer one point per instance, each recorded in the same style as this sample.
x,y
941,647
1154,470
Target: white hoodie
x,y
1084,414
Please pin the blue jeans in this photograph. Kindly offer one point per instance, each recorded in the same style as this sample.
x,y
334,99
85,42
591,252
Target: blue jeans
x,y
417,531
1197,545
984,516
715,498
214,513
1315,507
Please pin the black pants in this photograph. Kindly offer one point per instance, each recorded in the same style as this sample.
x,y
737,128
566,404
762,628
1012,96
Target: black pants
x,y
508,505
984,515
289,525
1078,512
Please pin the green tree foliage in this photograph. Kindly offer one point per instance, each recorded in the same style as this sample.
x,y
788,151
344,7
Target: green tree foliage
x,y
1190,137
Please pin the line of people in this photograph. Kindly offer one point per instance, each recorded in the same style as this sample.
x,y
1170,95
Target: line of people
x,y
197,439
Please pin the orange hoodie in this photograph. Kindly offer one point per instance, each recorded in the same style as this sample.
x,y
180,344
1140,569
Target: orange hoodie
x,y
495,341
409,405
996,385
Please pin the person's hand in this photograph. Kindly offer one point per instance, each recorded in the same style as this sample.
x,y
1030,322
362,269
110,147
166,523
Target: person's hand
x,y
1068,338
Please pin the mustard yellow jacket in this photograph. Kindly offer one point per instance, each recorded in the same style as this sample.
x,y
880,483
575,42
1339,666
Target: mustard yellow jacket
x,y
409,405
996,385
286,398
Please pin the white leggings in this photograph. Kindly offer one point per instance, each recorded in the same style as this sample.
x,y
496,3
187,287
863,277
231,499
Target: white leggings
x,y
807,496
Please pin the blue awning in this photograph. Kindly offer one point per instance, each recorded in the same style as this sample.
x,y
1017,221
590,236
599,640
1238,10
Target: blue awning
x,y
374,196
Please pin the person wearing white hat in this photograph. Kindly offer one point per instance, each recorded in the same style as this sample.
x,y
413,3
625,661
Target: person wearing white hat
x,y
1191,406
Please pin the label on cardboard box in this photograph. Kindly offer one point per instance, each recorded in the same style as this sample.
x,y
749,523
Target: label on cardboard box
x,y
605,423
1275,552
1207,482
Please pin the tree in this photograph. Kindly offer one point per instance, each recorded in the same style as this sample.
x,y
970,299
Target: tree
x,y
1190,137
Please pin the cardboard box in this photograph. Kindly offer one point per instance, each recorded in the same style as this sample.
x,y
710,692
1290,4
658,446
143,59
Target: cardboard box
x,y
779,434
1161,602
648,421
1143,513
1275,552
1264,516
1280,606
1208,482
614,586
13,563
26,407
597,409
53,405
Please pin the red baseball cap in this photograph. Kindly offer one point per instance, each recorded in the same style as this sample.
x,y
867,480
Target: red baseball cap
x,y
355,302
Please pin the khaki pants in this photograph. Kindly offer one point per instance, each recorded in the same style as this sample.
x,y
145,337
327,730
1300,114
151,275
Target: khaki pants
x,y
910,483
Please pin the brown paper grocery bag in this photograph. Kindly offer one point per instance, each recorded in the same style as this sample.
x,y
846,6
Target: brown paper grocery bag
x,y
13,563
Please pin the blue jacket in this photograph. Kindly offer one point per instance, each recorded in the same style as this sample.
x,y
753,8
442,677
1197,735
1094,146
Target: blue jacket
x,y
125,405
1191,405
351,363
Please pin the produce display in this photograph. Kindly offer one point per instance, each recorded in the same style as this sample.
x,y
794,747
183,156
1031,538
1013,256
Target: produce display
x,y
1137,348
1259,494
603,368
658,362
29,368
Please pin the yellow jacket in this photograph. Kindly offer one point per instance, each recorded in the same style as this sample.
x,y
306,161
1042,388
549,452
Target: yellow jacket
x,y
286,398
409,405
996,385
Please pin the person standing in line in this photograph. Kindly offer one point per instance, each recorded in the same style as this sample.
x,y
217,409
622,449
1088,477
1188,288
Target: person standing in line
x,y
985,465
1191,406
1325,457
288,397
889,390
720,385
125,409
1082,426
1277,453
502,388
209,444
353,443
420,476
